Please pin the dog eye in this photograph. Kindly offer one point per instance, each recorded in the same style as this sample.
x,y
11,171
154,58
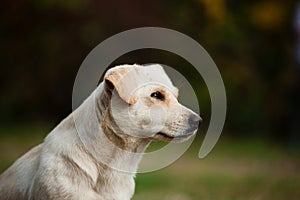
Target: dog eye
x,y
158,95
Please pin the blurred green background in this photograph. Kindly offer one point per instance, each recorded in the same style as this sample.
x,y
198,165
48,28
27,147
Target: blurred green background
x,y
43,43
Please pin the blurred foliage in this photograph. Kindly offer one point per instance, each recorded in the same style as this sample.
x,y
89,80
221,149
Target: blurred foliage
x,y
43,43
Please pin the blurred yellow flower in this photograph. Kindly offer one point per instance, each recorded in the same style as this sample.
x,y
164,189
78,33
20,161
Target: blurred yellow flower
x,y
215,10
268,14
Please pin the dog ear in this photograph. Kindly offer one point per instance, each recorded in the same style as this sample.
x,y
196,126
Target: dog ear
x,y
126,79
123,82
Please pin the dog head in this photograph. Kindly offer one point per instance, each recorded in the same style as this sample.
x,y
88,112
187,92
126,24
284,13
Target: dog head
x,y
144,104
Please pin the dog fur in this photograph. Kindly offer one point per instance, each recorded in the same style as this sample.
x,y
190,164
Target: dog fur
x,y
94,152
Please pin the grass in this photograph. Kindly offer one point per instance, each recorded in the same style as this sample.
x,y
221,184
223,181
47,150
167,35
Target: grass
x,y
251,169
17,140
243,169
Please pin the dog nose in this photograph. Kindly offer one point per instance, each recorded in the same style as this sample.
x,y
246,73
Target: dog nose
x,y
194,121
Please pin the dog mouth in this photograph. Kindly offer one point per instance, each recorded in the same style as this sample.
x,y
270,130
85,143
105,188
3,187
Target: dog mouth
x,y
160,136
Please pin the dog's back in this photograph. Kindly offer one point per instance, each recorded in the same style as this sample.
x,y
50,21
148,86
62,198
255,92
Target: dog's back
x,y
15,181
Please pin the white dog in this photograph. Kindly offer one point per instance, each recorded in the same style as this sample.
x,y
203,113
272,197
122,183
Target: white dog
x,y
94,152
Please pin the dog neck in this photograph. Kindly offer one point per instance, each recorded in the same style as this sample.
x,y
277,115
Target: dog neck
x,y
100,137
120,139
